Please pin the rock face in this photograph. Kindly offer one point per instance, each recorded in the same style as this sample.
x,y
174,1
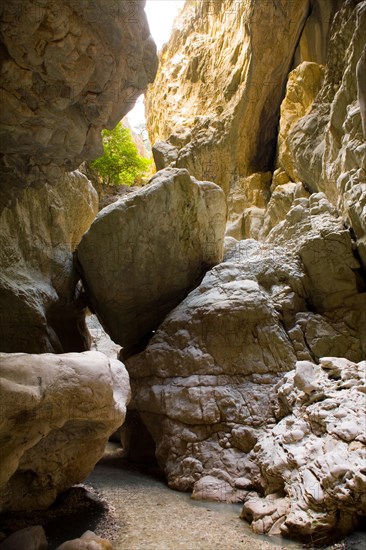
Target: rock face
x,y
225,127
69,69
315,454
39,310
220,84
57,412
326,148
144,253
32,538
205,385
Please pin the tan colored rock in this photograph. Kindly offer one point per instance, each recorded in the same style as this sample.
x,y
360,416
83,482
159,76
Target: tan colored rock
x,y
87,541
327,145
39,310
70,69
303,85
145,252
315,454
57,412
220,83
246,203
30,538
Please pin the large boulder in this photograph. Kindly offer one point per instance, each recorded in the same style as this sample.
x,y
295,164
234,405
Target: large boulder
x,y
144,253
315,454
205,384
57,412
69,69
40,308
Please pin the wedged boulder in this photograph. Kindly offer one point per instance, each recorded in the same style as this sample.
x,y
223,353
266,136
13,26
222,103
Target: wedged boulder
x,y
205,384
57,412
143,254
41,310
315,455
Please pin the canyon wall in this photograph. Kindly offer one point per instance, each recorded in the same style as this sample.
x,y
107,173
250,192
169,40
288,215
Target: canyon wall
x,y
68,70
267,99
217,100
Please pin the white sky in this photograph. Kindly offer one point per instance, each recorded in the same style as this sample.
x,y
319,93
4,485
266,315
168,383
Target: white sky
x,y
160,14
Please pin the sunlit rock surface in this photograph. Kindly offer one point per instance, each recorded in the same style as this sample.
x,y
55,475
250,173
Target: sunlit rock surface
x,y
143,253
57,412
220,84
40,309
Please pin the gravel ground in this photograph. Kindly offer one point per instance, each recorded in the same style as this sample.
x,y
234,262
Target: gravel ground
x,y
135,510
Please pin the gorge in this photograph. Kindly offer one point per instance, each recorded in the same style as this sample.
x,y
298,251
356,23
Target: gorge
x,y
234,281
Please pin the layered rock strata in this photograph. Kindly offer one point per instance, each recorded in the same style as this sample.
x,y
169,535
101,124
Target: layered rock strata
x,y
143,253
57,412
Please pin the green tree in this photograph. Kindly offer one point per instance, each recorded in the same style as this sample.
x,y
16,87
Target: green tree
x,y
121,162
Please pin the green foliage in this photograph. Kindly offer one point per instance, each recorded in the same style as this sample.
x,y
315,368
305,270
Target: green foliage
x,y
121,162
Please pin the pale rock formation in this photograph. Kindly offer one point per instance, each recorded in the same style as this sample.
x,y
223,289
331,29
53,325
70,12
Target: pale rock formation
x,y
303,85
143,254
246,205
69,69
57,412
220,85
39,310
30,538
205,384
87,541
312,461
326,148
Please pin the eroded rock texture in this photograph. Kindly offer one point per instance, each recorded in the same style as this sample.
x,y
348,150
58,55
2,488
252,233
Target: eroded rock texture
x,y
143,253
217,97
220,84
315,454
57,412
40,311
69,69
205,385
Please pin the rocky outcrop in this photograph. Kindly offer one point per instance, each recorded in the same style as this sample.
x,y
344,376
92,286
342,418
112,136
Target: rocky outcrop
x,y
40,311
206,384
220,84
326,147
57,412
312,460
69,69
144,253
88,540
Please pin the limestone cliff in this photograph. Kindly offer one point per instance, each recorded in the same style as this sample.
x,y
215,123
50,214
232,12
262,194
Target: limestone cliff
x,y
68,70
217,100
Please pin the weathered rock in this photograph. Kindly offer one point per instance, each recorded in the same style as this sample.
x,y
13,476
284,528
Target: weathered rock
x,y
69,69
315,455
144,253
326,147
30,538
303,85
204,385
57,412
220,84
164,154
87,541
40,311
